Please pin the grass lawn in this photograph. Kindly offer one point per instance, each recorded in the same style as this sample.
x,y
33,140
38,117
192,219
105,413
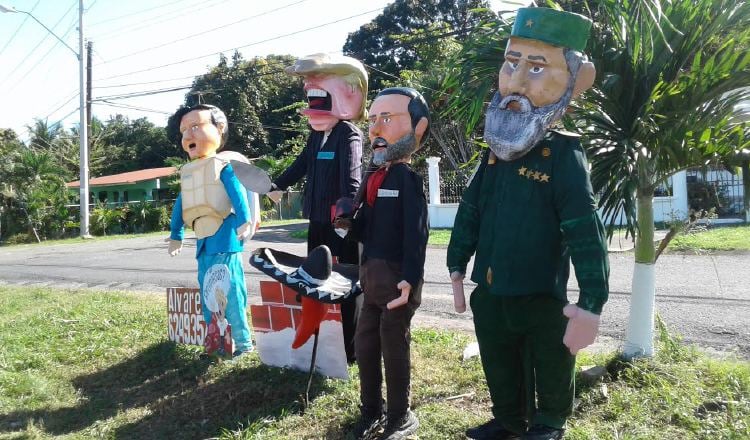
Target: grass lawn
x,y
717,239
439,237
270,223
165,234
84,364
78,239
726,238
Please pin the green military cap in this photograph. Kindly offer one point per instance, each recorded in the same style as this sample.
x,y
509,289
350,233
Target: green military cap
x,y
559,28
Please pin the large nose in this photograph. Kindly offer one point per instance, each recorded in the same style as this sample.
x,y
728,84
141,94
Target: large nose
x,y
519,79
374,129
187,134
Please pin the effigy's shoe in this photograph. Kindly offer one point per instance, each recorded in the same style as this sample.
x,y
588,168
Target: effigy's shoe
x,y
240,351
399,428
492,430
542,432
367,425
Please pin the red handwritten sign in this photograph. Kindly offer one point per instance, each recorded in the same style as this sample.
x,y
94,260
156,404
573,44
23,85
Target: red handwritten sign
x,y
185,324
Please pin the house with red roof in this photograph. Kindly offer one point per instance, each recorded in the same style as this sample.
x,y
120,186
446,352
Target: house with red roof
x,y
133,186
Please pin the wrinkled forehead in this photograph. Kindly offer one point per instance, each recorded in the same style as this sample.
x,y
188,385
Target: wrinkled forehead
x,y
195,117
322,76
535,51
322,64
389,104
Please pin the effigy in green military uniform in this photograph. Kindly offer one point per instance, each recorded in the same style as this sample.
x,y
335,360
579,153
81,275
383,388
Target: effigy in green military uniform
x,y
527,212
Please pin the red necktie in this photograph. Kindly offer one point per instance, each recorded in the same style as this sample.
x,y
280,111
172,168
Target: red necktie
x,y
373,184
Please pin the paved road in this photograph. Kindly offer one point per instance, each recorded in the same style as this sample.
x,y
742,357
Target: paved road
x,y
705,298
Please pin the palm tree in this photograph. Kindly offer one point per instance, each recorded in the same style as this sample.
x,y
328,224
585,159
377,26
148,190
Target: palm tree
x,y
43,136
673,74
36,179
670,77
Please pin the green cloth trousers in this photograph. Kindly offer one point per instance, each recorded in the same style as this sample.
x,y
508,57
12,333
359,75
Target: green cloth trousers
x,y
520,342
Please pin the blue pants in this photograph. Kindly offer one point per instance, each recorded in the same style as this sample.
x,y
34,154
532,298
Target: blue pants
x,y
236,312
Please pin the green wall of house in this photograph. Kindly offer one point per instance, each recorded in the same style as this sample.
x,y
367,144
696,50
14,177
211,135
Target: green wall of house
x,y
118,194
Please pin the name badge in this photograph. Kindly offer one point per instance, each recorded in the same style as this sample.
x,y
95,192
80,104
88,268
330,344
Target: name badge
x,y
387,192
325,155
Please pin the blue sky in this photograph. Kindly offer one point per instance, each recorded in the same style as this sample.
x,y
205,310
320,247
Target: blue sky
x,y
142,45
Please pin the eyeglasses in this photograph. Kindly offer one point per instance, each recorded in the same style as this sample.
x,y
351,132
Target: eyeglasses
x,y
384,118
193,128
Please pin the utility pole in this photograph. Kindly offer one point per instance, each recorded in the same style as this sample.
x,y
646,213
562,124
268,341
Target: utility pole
x,y
82,125
89,49
83,131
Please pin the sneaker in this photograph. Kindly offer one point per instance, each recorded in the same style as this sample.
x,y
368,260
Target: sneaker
x,y
542,432
240,351
366,426
492,430
400,428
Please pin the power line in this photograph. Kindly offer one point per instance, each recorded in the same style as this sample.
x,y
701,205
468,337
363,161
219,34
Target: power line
x,y
61,106
172,89
46,35
150,21
132,14
70,28
150,110
130,107
142,93
399,78
59,121
201,34
268,64
242,47
19,28
147,82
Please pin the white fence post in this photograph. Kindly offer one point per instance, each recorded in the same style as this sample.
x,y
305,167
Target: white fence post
x,y
434,179
679,194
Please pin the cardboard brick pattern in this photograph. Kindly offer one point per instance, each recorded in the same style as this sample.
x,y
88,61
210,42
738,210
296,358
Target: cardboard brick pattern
x,y
280,308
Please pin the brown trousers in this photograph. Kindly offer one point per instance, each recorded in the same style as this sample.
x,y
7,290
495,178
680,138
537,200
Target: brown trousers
x,y
346,252
384,333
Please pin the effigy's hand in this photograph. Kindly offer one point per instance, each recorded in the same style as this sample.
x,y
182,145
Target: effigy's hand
x,y
174,247
459,299
405,289
342,223
583,326
275,196
245,231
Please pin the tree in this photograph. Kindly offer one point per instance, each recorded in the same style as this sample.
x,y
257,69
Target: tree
x,y
257,96
10,147
130,145
670,76
666,100
384,46
447,138
39,192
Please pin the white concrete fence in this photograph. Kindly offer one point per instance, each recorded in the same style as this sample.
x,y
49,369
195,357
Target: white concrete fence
x,y
666,209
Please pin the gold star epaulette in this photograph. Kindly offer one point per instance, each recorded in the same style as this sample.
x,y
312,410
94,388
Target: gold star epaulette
x,y
535,175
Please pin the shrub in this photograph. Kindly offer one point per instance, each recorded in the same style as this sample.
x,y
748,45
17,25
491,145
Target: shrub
x,y
269,214
157,218
20,238
135,217
104,218
706,196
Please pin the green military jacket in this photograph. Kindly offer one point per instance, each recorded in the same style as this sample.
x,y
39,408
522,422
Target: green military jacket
x,y
527,218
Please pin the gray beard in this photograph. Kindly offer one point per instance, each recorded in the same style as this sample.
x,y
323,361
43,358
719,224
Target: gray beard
x,y
378,157
511,134
403,147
